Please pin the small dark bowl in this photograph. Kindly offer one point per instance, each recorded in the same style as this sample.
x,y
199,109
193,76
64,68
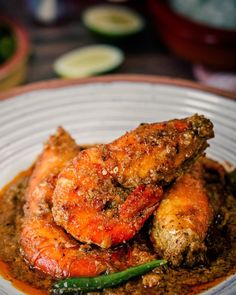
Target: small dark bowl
x,y
194,41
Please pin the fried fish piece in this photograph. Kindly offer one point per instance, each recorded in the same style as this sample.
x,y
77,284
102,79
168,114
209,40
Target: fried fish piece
x,y
107,192
182,222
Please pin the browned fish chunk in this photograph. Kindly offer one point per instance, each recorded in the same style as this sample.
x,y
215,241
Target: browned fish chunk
x,y
107,192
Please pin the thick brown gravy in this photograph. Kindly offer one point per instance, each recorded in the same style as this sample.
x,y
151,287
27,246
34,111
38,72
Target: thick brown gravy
x,y
12,265
161,281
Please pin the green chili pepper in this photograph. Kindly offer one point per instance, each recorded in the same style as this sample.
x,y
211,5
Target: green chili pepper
x,y
86,284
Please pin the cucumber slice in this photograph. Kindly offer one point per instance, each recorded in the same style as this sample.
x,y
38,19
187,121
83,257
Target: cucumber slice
x,y
88,61
112,20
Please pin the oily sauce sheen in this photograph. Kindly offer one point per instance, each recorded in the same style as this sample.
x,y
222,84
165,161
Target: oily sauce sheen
x,y
165,280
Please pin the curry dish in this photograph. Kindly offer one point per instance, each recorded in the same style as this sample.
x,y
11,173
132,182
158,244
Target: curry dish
x,y
150,194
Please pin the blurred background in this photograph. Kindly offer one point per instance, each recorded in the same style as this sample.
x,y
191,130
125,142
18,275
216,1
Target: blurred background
x,y
194,39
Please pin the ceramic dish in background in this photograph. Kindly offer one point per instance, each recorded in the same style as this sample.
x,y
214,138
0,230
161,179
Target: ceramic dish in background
x,y
100,109
194,41
13,71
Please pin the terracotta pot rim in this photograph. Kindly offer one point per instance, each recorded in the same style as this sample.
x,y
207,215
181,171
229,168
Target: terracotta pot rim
x,y
22,49
209,34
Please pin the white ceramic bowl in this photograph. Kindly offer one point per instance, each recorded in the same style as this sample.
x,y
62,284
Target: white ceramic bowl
x,y
100,109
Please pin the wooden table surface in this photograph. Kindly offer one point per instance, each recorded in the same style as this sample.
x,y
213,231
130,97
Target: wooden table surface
x,y
145,54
